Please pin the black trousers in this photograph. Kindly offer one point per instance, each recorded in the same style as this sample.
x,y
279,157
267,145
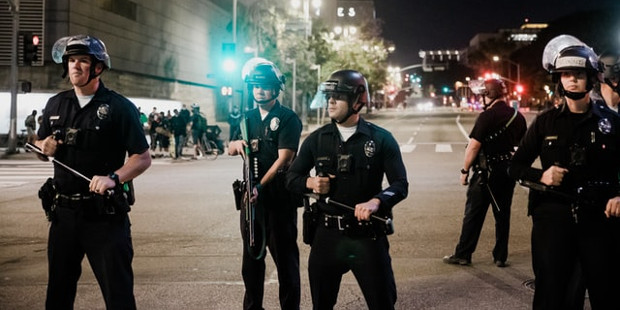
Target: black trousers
x,y
106,242
281,234
478,201
334,254
559,245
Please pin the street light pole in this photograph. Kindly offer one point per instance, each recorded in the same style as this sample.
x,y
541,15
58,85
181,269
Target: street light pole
x,y
294,62
12,143
319,118
497,58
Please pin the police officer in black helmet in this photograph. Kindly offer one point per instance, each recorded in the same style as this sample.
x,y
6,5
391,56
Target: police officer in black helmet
x,y
351,157
610,86
574,197
90,129
273,138
498,129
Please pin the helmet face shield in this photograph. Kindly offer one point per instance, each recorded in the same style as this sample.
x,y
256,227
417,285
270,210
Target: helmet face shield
x,y
477,87
567,53
264,73
492,88
555,46
80,45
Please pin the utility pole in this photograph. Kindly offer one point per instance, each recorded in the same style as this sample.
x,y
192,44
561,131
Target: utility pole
x,y
12,143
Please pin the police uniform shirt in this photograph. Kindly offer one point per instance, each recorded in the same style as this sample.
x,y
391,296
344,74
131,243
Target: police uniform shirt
x,y
491,121
96,138
281,129
372,151
587,144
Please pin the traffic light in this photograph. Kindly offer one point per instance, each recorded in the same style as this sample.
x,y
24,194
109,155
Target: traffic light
x,y
229,62
226,91
31,47
519,88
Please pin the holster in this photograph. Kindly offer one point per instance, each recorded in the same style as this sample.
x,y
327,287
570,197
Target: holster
x,y
238,188
47,194
481,166
117,203
129,192
310,220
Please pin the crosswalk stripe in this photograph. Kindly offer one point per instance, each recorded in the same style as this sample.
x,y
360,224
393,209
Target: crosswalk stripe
x,y
407,148
443,148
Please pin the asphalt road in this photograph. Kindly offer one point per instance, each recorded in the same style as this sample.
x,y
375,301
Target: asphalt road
x,y
188,247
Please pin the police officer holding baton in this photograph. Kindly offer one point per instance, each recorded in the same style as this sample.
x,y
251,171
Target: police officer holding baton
x,y
576,202
90,129
350,156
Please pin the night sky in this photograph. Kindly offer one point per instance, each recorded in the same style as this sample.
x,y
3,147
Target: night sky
x,y
413,25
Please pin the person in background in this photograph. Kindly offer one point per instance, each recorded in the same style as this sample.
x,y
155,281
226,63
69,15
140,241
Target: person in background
x,y
179,130
498,129
234,119
610,86
31,126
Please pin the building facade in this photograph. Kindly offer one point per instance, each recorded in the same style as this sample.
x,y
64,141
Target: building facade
x,y
158,49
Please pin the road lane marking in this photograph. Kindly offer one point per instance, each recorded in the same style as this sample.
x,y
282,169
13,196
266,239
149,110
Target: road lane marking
x,y
461,128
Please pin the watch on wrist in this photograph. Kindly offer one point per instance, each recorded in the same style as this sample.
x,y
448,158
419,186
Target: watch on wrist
x,y
115,178
463,171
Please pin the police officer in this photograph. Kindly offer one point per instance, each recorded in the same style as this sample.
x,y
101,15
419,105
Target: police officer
x,y
497,131
273,138
574,195
610,88
90,129
350,156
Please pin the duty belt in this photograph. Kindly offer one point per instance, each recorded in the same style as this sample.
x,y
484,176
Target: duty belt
x,y
349,226
334,222
72,201
496,158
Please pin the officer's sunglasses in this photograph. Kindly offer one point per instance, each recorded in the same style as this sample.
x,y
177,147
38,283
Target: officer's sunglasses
x,y
336,96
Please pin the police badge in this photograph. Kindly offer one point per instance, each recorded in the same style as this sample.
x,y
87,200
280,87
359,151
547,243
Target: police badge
x,y
369,148
274,124
604,126
103,111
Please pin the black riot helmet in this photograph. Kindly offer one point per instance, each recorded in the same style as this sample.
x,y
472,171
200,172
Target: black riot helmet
x,y
610,63
492,88
349,82
259,71
566,53
81,45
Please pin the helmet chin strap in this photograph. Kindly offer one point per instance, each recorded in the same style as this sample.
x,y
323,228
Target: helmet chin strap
x,y
484,102
575,95
350,112
611,85
91,76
